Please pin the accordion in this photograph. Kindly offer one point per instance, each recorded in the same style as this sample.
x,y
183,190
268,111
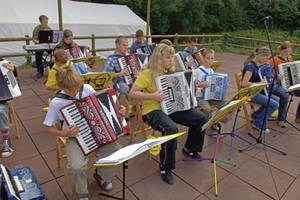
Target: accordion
x,y
97,118
19,184
131,63
179,91
217,86
181,61
290,72
147,49
9,87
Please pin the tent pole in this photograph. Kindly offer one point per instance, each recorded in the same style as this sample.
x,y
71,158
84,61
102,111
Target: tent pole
x,y
60,22
148,19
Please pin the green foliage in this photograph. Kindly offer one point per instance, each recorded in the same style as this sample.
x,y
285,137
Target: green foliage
x,y
211,16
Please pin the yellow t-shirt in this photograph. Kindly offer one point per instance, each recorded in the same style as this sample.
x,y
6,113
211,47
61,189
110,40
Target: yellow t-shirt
x,y
146,82
51,80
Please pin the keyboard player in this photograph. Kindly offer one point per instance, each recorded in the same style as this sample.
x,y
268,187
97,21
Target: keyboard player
x,y
43,19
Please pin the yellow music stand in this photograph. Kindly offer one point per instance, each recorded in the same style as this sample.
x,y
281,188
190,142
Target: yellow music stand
x,y
99,80
89,60
122,156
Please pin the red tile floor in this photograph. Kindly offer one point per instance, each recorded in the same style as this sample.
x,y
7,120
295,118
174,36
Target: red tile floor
x,y
260,174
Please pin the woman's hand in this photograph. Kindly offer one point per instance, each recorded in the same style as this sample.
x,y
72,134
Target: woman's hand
x,y
158,96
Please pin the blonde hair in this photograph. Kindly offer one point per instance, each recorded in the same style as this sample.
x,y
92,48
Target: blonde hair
x,y
155,62
60,56
68,78
285,45
205,51
259,51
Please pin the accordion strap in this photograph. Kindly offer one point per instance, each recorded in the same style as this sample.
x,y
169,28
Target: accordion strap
x,y
67,97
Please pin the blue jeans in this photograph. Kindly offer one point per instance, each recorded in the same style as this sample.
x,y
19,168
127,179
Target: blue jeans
x,y
258,115
283,101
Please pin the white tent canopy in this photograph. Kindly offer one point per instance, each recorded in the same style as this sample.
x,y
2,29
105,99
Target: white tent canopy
x,y
18,18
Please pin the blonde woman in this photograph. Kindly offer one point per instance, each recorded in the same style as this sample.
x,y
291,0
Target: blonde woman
x,y
145,90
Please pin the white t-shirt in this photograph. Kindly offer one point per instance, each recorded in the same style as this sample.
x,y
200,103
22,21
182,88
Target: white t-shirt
x,y
53,114
200,75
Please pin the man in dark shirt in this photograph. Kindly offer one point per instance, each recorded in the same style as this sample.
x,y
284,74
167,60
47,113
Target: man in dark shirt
x,y
39,54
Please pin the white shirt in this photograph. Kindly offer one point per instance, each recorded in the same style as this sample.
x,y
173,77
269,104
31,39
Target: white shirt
x,y
53,114
200,75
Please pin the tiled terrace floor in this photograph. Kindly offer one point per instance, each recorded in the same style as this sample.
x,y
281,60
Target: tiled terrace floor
x,y
260,174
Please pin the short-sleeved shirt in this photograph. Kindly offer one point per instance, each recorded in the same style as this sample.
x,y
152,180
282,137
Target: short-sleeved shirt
x,y
252,67
200,76
53,114
51,79
145,81
37,29
191,51
202,72
136,45
279,60
112,65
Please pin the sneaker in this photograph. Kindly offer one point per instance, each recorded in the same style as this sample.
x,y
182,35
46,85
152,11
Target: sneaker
x,y
167,176
264,131
281,124
6,150
215,126
104,185
192,155
38,76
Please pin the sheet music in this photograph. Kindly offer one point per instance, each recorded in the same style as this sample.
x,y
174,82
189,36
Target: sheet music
x,y
133,150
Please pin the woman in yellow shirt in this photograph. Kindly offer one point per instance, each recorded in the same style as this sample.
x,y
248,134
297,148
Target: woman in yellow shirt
x,y
144,89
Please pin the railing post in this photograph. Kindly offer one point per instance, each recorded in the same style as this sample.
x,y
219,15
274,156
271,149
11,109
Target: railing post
x,y
93,44
225,39
176,41
29,55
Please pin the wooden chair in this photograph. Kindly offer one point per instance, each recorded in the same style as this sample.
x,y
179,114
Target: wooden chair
x,y
238,79
13,120
136,123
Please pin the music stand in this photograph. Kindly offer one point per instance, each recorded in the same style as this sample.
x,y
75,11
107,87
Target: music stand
x,y
248,92
122,156
291,91
216,117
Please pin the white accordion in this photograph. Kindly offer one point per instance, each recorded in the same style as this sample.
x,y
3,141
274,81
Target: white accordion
x,y
290,72
179,91
181,62
217,86
9,87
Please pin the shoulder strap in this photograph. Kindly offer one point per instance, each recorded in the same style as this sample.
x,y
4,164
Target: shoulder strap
x,y
205,72
67,97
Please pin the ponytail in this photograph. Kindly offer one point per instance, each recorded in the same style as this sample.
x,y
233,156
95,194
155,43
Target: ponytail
x,y
68,78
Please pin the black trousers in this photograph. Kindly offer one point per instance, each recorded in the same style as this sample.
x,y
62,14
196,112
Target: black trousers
x,y
159,121
39,61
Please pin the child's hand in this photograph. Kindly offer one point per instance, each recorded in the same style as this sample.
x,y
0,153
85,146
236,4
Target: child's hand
x,y
279,78
123,110
124,72
203,84
158,96
8,66
71,131
189,64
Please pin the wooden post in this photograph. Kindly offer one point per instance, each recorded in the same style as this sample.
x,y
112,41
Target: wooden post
x,y
60,20
93,44
28,56
148,19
